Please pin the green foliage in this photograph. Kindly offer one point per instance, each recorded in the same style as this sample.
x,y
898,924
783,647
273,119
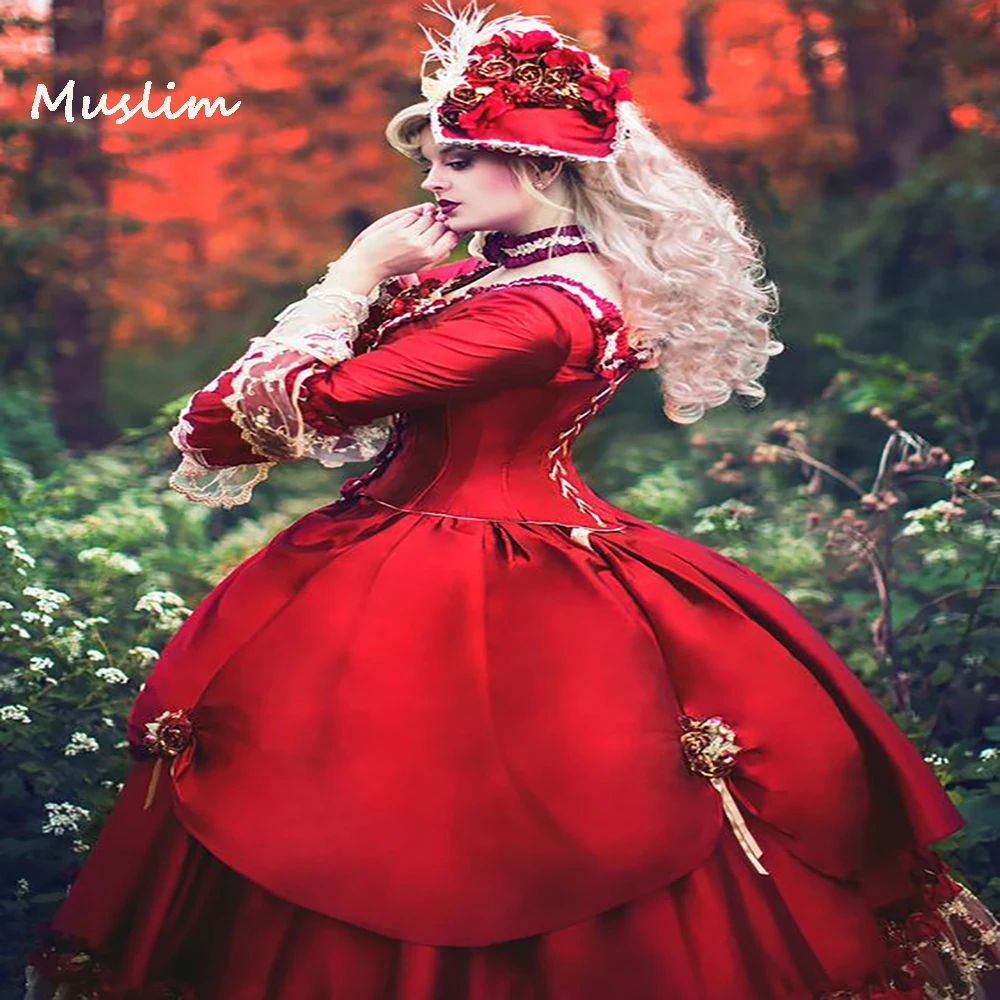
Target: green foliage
x,y
99,565
903,279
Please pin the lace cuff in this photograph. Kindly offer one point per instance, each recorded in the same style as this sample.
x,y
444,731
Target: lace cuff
x,y
263,400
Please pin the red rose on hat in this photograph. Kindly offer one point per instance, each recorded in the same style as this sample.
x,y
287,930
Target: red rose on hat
x,y
489,109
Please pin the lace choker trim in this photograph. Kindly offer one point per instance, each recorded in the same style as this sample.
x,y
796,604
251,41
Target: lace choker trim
x,y
520,249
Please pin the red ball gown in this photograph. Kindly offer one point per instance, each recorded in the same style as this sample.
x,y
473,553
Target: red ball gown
x,y
473,733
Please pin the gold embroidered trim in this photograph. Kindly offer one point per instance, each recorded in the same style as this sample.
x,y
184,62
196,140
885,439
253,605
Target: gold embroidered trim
x,y
951,963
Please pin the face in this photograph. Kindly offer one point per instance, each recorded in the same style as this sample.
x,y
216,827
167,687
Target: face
x,y
479,182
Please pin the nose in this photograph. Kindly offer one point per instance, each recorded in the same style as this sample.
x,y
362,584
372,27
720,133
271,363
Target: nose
x,y
432,182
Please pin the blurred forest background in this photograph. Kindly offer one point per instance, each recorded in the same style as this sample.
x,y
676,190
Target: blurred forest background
x,y
859,136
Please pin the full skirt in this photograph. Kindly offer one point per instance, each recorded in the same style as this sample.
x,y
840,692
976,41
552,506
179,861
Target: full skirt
x,y
442,758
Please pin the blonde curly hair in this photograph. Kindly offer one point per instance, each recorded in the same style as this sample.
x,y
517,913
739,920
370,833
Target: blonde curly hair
x,y
692,278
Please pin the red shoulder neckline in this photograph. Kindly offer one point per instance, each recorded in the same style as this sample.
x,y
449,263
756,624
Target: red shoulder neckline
x,y
614,354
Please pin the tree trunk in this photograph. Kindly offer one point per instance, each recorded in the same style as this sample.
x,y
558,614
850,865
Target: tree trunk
x,y
693,50
70,189
894,65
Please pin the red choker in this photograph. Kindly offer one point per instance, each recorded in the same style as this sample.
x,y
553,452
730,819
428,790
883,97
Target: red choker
x,y
525,248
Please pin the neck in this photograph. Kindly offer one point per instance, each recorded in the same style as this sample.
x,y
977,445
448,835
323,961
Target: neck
x,y
541,220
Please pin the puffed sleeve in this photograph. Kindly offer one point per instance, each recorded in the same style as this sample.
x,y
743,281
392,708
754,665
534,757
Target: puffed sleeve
x,y
291,400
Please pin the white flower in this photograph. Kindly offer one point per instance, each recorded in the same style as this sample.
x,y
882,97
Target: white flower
x,y
80,846
945,554
18,552
84,623
112,675
156,600
68,640
936,760
64,817
47,600
144,654
939,516
165,606
959,471
989,753
14,713
6,606
39,664
36,616
80,743
95,654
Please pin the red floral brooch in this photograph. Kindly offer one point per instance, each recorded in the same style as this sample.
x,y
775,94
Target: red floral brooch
x,y
710,749
168,736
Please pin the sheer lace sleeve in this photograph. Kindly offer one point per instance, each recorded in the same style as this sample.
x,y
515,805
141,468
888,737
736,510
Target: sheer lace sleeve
x,y
249,418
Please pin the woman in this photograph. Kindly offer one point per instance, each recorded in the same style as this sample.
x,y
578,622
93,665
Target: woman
x,y
471,731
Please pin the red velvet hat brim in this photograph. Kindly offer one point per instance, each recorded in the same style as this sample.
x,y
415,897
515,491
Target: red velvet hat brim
x,y
554,131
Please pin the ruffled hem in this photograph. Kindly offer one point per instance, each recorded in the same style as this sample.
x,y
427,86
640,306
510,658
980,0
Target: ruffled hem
x,y
943,943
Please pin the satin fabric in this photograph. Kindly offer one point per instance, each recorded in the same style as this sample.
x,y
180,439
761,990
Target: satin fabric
x,y
174,918
455,725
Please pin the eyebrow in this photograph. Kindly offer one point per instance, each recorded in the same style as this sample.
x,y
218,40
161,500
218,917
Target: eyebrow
x,y
446,151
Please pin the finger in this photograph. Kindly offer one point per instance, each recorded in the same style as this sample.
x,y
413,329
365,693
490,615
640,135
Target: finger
x,y
401,215
444,244
420,222
433,232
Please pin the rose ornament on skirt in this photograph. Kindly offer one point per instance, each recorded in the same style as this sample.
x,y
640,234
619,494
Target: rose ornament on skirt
x,y
170,736
710,749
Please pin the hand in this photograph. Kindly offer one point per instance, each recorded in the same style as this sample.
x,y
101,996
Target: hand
x,y
404,241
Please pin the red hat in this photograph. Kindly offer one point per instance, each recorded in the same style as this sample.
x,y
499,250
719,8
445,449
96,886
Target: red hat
x,y
516,85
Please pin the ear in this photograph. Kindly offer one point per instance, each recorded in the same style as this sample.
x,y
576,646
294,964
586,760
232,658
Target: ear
x,y
547,169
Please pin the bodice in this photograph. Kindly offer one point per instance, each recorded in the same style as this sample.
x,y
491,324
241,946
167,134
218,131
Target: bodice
x,y
508,455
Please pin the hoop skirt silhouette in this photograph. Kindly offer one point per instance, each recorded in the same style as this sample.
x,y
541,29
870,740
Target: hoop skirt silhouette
x,y
473,733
